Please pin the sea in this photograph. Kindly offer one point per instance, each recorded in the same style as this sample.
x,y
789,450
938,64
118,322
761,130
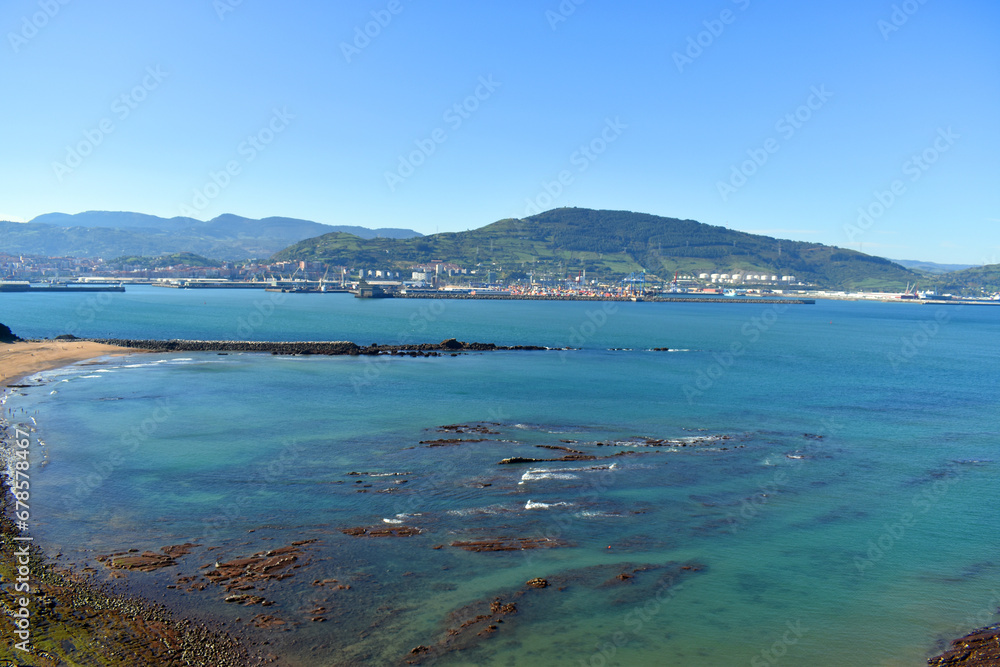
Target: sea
x,y
742,484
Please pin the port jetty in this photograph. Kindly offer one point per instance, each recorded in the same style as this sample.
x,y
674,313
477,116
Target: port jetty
x,y
444,294
450,346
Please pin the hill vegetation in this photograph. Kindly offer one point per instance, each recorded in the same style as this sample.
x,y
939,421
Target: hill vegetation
x,y
116,234
970,282
609,245
163,261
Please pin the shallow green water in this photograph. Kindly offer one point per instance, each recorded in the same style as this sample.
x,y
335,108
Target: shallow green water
x,y
848,518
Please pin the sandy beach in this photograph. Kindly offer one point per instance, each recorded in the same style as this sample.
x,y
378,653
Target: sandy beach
x,y
71,617
24,358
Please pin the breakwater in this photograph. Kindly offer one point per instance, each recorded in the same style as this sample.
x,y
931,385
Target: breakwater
x,y
43,289
328,348
562,297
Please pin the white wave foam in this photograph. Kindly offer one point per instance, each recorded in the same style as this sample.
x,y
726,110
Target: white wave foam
x,y
491,510
535,474
532,505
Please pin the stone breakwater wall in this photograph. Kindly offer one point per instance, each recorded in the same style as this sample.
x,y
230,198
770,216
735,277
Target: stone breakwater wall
x,y
559,297
330,348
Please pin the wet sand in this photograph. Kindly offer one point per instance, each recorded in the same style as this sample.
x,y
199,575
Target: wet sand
x,y
18,360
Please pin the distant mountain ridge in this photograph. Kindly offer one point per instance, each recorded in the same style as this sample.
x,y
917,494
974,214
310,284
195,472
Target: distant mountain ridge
x,y
932,267
110,234
608,245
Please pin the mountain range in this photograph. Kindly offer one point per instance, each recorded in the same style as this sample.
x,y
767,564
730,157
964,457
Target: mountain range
x,y
932,268
111,234
609,245
562,242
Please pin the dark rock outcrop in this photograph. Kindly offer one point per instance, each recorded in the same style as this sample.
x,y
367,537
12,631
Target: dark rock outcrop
x,y
6,335
978,649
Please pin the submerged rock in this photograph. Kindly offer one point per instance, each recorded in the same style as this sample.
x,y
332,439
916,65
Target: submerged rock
x,y
510,544
381,531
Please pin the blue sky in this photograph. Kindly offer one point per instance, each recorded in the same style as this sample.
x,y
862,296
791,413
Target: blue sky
x,y
786,118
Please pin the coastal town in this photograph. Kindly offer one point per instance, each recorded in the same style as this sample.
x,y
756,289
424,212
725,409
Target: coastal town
x,y
433,279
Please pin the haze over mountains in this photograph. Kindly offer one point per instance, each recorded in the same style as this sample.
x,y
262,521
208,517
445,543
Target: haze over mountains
x,y
932,267
110,234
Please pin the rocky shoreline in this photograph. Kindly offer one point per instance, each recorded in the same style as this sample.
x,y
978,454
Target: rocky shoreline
x,y
329,348
980,648
74,621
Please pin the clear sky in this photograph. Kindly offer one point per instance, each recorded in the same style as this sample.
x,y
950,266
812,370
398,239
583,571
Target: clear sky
x,y
781,117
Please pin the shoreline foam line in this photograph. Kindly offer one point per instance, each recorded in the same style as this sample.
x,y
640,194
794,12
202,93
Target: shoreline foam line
x,y
25,358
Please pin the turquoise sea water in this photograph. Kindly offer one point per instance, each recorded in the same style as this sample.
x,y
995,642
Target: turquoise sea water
x,y
835,494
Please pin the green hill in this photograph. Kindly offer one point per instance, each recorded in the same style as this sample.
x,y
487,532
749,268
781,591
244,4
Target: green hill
x,y
608,245
176,259
970,282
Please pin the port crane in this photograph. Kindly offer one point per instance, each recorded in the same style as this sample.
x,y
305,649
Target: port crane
x,y
629,285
